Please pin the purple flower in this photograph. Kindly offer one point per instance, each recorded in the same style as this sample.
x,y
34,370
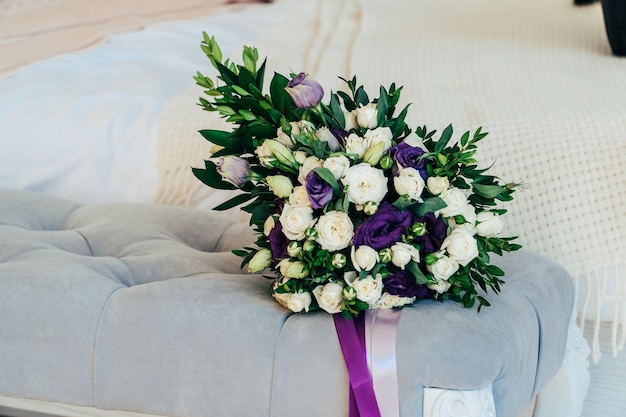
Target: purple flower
x,y
319,191
233,169
403,284
278,242
436,232
383,228
408,157
305,91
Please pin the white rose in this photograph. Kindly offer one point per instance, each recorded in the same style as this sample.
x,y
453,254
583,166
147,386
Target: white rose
x,y
415,141
444,268
455,199
299,301
368,289
380,135
364,258
409,182
390,301
338,165
441,286
365,183
350,119
299,197
367,116
295,221
295,302
488,224
437,185
461,246
329,297
335,230
356,145
403,253
269,224
309,164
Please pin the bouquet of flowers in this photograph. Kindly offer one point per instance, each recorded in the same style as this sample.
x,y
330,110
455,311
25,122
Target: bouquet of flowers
x,y
353,209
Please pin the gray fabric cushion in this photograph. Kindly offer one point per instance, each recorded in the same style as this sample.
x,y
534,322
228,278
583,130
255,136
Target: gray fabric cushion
x,y
144,308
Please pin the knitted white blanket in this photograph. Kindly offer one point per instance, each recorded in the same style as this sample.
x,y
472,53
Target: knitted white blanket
x,y
537,74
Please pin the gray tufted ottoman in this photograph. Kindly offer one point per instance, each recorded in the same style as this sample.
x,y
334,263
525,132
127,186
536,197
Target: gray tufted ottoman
x,y
142,308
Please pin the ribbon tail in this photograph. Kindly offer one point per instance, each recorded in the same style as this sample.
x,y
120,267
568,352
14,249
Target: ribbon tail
x,y
358,374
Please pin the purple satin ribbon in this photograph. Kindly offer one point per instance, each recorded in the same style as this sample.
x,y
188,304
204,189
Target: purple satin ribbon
x,y
368,343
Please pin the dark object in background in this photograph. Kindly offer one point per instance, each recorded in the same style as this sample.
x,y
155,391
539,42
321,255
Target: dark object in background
x,y
615,22
582,2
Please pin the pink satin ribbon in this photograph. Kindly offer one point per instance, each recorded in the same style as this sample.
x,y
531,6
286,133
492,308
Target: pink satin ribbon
x,y
368,344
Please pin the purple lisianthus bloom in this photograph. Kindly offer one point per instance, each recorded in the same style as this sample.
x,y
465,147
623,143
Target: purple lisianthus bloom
x,y
408,157
403,284
278,242
233,169
436,232
383,228
305,91
319,191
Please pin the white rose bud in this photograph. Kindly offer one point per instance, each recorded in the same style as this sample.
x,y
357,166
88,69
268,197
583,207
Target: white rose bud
x,y
488,224
455,199
296,221
365,183
443,268
409,182
339,260
281,153
385,255
286,139
349,293
300,156
293,269
260,261
264,153
370,208
461,246
441,286
356,145
294,248
309,164
364,258
280,185
335,230
403,253
329,297
367,116
437,185
338,165
374,153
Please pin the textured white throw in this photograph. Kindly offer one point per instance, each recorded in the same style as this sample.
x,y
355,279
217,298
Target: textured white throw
x,y
537,74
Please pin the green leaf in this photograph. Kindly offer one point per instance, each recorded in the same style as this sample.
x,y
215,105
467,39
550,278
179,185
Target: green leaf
x,y
444,139
337,111
328,176
234,202
382,106
360,97
211,177
488,191
417,273
280,97
218,137
429,205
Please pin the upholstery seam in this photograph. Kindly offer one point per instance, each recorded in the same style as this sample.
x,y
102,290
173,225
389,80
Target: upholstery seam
x,y
278,339
95,343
